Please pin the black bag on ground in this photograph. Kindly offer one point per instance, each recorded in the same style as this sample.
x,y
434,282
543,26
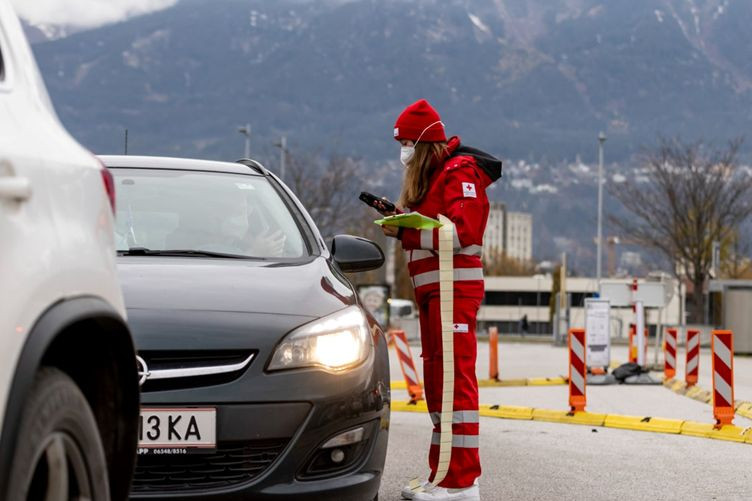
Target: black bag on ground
x,y
625,370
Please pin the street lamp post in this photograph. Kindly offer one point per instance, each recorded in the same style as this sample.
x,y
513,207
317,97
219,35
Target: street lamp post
x,y
246,131
601,140
282,145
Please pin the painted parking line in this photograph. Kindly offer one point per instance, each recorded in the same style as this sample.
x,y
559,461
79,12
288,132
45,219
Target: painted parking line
x,y
741,407
637,423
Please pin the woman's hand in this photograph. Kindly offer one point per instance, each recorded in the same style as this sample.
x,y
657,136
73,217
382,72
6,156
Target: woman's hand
x,y
390,231
379,206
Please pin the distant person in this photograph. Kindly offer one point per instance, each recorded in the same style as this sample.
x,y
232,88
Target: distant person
x,y
444,177
524,326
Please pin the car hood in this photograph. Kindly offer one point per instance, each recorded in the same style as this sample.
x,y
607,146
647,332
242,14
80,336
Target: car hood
x,y
309,288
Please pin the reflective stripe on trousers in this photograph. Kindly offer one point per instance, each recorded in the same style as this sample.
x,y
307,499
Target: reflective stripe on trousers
x,y
460,274
458,441
458,417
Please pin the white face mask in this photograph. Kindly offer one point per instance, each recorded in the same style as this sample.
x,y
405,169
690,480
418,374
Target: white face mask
x,y
406,154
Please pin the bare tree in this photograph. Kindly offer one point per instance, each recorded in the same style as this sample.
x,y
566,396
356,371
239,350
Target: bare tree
x,y
735,257
328,188
500,264
685,197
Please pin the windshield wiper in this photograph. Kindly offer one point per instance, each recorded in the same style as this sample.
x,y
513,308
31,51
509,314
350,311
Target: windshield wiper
x,y
143,251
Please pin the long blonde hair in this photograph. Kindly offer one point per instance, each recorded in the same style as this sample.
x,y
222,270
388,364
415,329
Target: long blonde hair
x,y
418,172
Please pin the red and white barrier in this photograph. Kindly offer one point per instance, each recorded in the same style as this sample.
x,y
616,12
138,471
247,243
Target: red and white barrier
x,y
693,357
493,353
577,370
722,344
405,357
669,354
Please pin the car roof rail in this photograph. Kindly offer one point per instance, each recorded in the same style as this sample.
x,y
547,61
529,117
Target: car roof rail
x,y
254,164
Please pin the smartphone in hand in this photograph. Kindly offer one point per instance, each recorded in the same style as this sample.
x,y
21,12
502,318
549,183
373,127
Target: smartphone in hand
x,y
380,204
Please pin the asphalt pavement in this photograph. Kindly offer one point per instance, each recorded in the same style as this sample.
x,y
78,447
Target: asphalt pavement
x,y
529,460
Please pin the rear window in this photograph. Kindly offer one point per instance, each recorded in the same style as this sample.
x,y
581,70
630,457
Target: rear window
x,y
204,211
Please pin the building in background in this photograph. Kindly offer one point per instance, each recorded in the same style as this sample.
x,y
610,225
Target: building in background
x,y
509,298
508,232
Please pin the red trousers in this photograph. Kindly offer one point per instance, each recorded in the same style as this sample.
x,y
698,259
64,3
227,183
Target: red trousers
x,y
464,466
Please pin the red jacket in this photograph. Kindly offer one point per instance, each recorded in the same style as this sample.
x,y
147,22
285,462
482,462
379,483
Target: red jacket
x,y
458,191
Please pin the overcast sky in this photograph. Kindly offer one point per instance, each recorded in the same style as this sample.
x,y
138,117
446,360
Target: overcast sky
x,y
84,13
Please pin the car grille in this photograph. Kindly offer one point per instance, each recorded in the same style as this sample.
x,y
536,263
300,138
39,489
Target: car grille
x,y
162,361
227,466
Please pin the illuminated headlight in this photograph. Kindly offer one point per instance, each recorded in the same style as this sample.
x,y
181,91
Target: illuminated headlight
x,y
336,342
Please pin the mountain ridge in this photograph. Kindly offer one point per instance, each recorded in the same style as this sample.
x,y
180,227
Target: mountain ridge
x,y
528,80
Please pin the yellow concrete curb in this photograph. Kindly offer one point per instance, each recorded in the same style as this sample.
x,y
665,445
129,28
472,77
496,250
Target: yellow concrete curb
x,y
398,384
546,381
638,423
694,429
643,423
486,383
744,409
553,416
729,432
741,407
405,406
507,412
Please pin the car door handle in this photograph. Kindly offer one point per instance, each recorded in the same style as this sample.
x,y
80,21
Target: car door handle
x,y
15,188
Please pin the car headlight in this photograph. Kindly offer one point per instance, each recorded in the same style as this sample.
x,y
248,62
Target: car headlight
x,y
335,342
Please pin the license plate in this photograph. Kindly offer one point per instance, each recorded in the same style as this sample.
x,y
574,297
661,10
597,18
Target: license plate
x,y
177,430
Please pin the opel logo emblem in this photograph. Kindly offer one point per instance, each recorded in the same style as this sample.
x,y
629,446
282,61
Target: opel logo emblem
x,y
143,370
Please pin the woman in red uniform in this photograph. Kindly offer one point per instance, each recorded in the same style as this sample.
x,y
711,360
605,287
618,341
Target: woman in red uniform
x,y
445,177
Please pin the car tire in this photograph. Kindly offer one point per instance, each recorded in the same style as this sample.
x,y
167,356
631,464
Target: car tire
x,y
58,429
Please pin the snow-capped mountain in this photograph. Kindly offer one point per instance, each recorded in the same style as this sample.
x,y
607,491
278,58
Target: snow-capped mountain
x,y
530,80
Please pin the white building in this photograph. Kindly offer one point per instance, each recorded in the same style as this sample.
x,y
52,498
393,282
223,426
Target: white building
x,y
507,299
509,232
519,235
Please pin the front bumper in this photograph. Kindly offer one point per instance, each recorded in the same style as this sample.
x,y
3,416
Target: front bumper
x,y
270,427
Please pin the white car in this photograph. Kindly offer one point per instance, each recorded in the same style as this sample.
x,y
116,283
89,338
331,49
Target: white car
x,y
68,379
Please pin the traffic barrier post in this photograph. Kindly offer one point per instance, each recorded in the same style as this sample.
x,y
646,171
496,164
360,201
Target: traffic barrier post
x,y
405,357
669,354
577,370
632,344
693,357
493,353
722,344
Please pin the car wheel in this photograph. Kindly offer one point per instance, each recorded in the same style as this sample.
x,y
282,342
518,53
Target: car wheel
x,y
59,454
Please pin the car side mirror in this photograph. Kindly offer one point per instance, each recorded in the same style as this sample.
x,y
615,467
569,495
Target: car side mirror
x,y
354,254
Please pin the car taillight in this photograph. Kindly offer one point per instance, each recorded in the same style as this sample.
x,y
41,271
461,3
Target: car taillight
x,y
109,186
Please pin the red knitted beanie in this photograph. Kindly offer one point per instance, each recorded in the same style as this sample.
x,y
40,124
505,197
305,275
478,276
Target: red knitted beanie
x,y
419,118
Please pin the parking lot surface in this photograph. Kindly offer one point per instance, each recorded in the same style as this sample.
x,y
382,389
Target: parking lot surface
x,y
527,460
530,460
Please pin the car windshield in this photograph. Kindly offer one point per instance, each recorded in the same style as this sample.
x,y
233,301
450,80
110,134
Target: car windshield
x,y
173,210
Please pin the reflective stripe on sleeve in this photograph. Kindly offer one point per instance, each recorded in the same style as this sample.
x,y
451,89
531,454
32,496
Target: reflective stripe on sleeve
x,y
471,250
426,239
